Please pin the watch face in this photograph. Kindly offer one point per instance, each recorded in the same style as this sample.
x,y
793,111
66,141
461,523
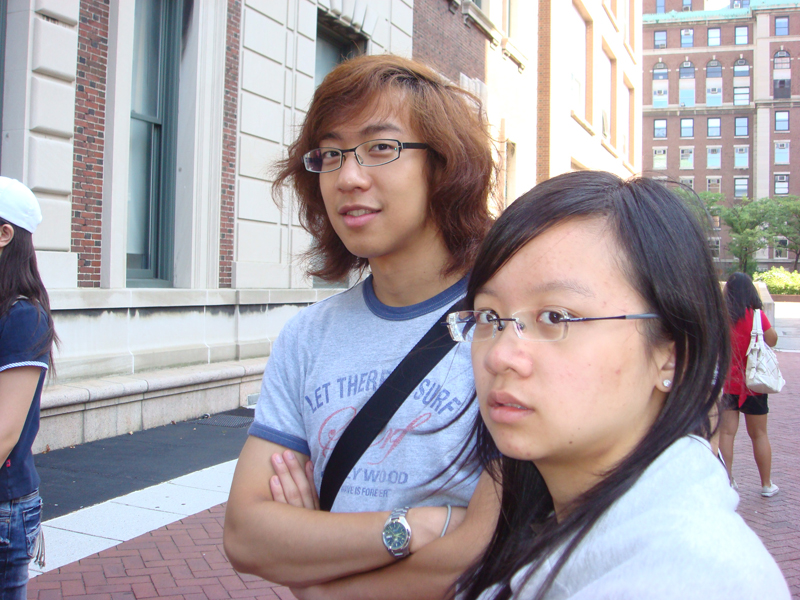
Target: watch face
x,y
395,536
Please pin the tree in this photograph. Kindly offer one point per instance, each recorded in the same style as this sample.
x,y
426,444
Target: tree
x,y
748,221
784,221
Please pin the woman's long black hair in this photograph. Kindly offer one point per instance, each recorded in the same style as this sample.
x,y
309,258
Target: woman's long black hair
x,y
666,259
19,276
740,294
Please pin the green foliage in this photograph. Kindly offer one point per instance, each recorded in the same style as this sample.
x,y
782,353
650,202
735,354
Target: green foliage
x,y
780,281
747,221
783,219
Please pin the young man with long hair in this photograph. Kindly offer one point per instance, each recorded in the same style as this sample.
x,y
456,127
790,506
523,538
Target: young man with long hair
x,y
391,172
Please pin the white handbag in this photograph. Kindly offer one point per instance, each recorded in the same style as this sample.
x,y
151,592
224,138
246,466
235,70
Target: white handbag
x,y
762,374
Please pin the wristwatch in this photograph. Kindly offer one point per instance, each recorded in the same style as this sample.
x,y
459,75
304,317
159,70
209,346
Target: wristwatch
x,y
397,533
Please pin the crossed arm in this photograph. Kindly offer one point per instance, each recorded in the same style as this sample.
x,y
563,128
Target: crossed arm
x,y
274,531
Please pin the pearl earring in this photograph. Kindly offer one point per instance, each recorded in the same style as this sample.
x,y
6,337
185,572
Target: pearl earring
x,y
667,383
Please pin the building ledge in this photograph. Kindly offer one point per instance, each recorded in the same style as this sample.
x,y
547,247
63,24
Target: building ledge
x,y
471,11
611,150
583,123
86,298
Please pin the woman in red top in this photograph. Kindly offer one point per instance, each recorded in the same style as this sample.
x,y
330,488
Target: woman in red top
x,y
742,299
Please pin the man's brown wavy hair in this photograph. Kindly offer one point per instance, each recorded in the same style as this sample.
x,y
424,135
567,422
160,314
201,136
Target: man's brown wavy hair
x,y
460,168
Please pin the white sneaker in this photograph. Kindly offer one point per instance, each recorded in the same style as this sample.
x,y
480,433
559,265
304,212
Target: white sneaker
x,y
769,490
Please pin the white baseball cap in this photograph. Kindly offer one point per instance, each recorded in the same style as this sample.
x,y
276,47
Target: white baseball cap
x,y
18,205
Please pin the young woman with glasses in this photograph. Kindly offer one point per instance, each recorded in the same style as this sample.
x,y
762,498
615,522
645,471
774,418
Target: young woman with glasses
x,y
598,337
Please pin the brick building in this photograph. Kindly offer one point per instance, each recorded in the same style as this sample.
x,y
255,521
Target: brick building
x,y
721,108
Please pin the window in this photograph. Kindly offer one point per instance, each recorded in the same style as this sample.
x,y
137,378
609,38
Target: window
x,y
687,128
660,98
782,75
687,38
742,126
781,153
659,158
782,60
741,96
714,96
687,158
781,25
741,68
687,181
713,157
781,185
153,133
741,157
714,83
660,39
739,187
714,128
742,36
687,4
660,85
660,128
780,248
577,63
781,88
660,6
714,185
713,247
781,120
714,36
686,84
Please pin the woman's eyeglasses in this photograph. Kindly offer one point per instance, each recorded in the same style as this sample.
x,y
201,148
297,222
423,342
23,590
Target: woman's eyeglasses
x,y
545,325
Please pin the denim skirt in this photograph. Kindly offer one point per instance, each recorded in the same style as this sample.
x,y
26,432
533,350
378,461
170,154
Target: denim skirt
x,y
20,542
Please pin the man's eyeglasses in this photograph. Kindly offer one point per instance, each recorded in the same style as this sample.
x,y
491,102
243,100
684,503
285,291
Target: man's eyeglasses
x,y
373,153
545,325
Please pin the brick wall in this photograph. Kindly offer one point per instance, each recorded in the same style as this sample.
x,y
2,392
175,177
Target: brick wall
x,y
443,41
230,119
543,92
90,108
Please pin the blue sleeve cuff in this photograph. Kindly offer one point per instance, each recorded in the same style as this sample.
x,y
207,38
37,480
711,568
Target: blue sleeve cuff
x,y
269,434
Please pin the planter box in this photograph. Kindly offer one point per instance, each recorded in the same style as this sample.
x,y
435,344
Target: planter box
x,y
786,297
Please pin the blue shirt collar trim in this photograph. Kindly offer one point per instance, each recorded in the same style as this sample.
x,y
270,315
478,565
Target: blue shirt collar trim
x,y
404,313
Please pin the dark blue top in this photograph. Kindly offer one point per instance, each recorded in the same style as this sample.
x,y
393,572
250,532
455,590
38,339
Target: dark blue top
x,y
23,343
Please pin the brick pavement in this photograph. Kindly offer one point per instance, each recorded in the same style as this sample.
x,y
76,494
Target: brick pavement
x,y
182,561
185,560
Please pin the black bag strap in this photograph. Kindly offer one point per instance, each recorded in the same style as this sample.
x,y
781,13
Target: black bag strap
x,y
383,404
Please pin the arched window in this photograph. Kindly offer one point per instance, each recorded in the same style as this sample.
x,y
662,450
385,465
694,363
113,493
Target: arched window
x,y
782,75
741,68
782,60
660,85
714,69
714,83
686,84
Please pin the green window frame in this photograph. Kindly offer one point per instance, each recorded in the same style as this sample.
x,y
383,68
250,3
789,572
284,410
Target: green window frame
x,y
153,141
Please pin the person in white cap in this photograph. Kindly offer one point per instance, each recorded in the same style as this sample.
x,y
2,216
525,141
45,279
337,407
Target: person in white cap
x,y
26,338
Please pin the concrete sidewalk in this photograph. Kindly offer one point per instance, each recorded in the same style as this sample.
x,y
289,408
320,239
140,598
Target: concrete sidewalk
x,y
184,559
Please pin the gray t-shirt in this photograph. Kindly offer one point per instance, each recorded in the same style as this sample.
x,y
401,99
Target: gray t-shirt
x,y
328,361
674,534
